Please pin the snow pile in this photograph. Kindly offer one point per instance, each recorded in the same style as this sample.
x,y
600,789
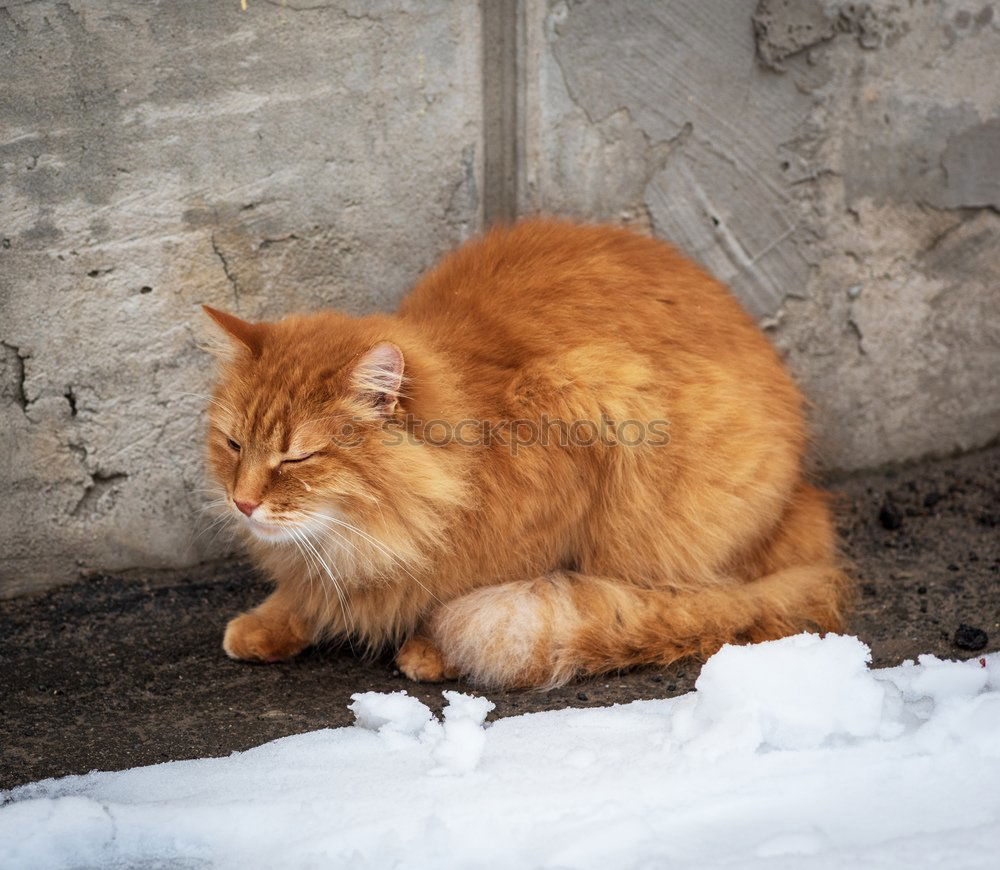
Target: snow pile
x,y
799,693
462,739
390,713
457,745
790,754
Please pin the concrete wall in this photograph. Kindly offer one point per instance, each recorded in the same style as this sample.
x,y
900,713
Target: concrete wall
x,y
837,163
160,155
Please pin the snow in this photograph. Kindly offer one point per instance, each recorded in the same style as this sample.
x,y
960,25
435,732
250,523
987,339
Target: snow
x,y
457,744
462,737
797,694
792,754
387,712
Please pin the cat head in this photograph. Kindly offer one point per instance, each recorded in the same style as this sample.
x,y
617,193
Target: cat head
x,y
308,433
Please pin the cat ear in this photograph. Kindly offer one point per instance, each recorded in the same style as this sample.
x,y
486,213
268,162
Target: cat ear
x,y
250,335
378,376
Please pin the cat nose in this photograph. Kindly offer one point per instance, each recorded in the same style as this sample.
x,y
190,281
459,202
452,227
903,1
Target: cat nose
x,y
246,507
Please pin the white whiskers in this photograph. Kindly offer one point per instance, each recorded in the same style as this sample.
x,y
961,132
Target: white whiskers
x,y
395,558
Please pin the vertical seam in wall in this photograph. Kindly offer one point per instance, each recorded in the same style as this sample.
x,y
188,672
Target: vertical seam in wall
x,y
500,115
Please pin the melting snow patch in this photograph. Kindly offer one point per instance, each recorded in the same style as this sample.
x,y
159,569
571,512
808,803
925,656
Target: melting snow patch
x,y
390,712
799,693
462,736
456,745
790,754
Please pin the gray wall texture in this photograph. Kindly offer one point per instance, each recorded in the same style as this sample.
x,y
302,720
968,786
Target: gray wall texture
x,y
838,164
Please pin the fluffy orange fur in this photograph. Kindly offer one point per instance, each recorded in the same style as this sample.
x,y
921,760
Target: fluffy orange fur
x,y
512,560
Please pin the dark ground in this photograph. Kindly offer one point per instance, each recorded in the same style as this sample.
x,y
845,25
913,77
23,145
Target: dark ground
x,y
110,674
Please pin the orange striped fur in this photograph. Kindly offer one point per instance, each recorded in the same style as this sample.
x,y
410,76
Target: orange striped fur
x,y
526,567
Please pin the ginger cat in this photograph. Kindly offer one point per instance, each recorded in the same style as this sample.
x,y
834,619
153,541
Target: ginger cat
x,y
569,451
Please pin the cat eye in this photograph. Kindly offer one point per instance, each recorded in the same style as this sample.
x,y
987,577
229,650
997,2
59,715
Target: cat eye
x,y
233,445
299,458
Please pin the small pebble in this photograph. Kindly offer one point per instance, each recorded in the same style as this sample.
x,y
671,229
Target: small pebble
x,y
583,696
971,638
889,516
271,714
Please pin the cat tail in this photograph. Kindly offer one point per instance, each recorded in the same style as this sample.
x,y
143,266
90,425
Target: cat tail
x,y
638,626
544,632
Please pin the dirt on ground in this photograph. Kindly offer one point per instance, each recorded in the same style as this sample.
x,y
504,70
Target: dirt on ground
x,y
113,673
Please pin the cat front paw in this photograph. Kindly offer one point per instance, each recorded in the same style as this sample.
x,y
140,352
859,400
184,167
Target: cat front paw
x,y
251,638
423,662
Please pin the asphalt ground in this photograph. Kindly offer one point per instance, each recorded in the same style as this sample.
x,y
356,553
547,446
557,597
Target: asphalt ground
x,y
111,673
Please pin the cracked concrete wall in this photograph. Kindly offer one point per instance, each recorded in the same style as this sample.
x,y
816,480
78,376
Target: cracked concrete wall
x,y
160,155
836,163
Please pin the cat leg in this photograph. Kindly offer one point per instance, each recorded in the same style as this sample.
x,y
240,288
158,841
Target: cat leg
x,y
421,660
273,631
543,632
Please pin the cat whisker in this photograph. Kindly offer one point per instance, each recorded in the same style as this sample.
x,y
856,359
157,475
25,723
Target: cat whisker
x,y
339,586
374,570
348,616
223,522
384,548
221,517
331,522
314,581
309,566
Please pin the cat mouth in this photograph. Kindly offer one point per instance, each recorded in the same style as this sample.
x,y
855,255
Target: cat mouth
x,y
263,528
